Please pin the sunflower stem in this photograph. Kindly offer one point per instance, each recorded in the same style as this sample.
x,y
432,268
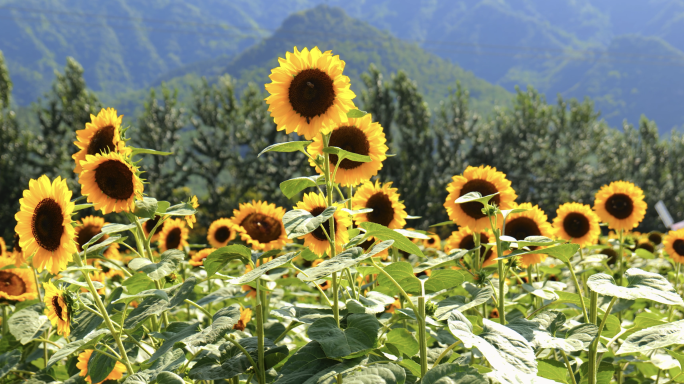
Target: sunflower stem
x,y
329,190
579,290
261,369
569,366
422,334
619,258
5,326
502,278
477,241
670,312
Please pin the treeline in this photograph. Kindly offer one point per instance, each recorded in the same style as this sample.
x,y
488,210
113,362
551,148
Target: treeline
x,y
552,153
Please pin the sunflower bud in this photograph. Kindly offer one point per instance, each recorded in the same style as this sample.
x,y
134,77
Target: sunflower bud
x,y
489,210
430,308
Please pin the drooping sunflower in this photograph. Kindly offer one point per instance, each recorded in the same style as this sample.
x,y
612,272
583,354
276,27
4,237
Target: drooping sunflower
x,y
16,284
620,204
532,222
110,182
197,259
260,225
361,136
578,223
101,135
44,224
191,220
82,364
149,225
433,242
174,235
317,241
674,245
483,179
89,228
463,238
245,317
221,232
308,92
58,311
384,200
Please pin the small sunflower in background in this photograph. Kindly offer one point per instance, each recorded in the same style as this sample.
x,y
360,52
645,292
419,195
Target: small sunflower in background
x,y
532,222
260,225
44,224
577,223
361,136
89,228
487,181
101,135
220,232
433,242
17,253
317,241
82,364
3,249
245,317
174,235
620,204
384,200
149,225
464,238
656,238
58,309
110,182
197,260
191,220
308,92
645,244
674,245
16,284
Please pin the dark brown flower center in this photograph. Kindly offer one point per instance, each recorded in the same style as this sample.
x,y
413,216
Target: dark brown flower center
x,y
678,246
351,139
619,206
261,228
612,255
474,208
16,246
647,246
576,225
655,238
431,241
522,227
383,212
173,238
468,242
115,179
102,141
11,284
58,309
86,233
318,232
151,223
222,234
47,224
311,93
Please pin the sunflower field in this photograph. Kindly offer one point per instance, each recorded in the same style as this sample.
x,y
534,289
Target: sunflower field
x,y
338,287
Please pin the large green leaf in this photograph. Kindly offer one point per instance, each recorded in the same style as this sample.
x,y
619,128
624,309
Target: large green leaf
x,y
137,283
356,113
100,366
169,362
471,197
292,187
223,321
299,222
384,233
552,370
400,339
536,332
155,305
342,154
378,373
453,374
170,260
222,256
402,273
169,378
146,207
174,333
443,279
374,302
77,345
310,365
652,338
29,323
640,285
445,261
290,146
480,296
182,209
263,268
359,337
345,259
8,361
233,361
116,228
304,313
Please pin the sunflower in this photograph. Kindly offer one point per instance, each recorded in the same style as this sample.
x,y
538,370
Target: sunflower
x,y
674,245
197,259
245,317
101,135
578,223
58,311
463,239
433,242
3,249
174,235
532,222
384,200
260,225
317,241
485,180
44,224
361,136
16,284
83,359
192,219
620,204
89,228
645,244
110,182
308,93
149,225
394,306
656,238
220,232
17,253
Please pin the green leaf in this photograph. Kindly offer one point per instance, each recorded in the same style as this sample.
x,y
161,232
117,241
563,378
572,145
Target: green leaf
x,y
413,234
552,370
475,196
222,256
77,345
292,187
9,361
402,273
263,268
342,154
443,279
169,378
453,374
144,151
182,209
403,341
80,207
146,207
290,146
644,254
156,305
169,362
531,241
170,260
537,334
359,337
356,113
357,211
443,223
374,302
563,252
299,222
174,333
115,228
345,259
29,323
137,283
652,338
640,285
303,314
444,307
446,261
162,206
310,365
100,366
384,233
377,373
223,321
90,250
233,362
